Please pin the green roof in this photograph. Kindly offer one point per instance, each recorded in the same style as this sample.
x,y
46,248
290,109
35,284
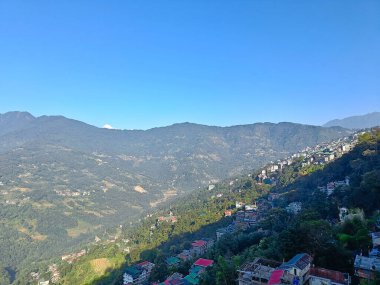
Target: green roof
x,y
194,275
132,270
192,280
196,269
172,260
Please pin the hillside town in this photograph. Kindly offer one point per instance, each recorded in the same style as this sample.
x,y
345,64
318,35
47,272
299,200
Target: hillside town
x,y
298,270
317,155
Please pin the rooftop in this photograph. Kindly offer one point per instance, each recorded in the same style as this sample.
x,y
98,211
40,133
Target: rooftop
x,y
300,261
134,271
192,280
172,260
332,275
204,262
367,263
275,277
198,243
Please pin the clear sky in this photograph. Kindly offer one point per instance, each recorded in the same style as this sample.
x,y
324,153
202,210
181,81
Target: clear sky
x,y
142,64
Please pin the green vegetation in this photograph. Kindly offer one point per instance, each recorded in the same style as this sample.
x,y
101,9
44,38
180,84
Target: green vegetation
x,y
315,230
63,182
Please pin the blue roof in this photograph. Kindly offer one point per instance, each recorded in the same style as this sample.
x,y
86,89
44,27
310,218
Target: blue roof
x,y
300,261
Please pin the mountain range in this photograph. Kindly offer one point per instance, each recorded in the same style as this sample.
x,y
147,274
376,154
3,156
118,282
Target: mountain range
x,y
357,122
62,181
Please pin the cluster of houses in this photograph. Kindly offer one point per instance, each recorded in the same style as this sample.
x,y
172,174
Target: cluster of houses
x,y
294,208
320,154
171,219
139,274
297,271
198,247
331,186
55,274
194,276
368,267
71,258
69,193
247,216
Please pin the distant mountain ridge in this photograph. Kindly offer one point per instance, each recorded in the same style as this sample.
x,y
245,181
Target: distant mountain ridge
x,y
357,122
188,154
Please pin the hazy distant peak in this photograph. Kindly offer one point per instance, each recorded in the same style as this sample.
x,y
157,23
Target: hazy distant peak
x,y
17,115
13,121
357,122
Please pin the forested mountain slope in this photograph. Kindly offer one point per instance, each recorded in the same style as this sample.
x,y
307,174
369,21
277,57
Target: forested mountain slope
x,y
315,230
63,181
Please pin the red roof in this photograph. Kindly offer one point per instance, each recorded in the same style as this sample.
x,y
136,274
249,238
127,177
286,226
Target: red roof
x,y
144,263
335,276
275,278
199,243
204,262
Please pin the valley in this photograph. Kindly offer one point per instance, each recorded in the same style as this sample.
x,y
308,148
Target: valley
x,y
64,182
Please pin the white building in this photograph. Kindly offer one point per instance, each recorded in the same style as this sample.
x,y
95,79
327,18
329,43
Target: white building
x,y
294,207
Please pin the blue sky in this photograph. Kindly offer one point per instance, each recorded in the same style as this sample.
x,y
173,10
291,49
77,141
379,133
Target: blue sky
x,y
142,64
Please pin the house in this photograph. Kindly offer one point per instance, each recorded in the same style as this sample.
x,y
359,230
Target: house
x,y
227,213
185,255
173,261
257,272
172,219
175,279
148,266
375,239
375,252
197,270
251,207
343,212
55,274
209,242
202,262
330,188
294,208
264,271
200,266
199,247
137,274
70,258
192,279
367,267
322,276
298,266
227,230
134,275
245,219
276,277
44,282
355,214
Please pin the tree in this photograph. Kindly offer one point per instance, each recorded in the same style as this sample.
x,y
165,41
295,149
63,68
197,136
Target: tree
x,y
225,272
160,271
